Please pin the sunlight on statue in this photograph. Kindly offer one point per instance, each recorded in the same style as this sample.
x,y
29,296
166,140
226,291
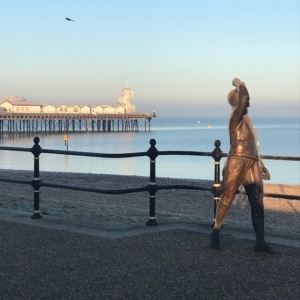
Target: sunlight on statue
x,y
243,166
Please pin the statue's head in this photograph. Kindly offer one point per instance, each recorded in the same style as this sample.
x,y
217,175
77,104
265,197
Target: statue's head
x,y
233,98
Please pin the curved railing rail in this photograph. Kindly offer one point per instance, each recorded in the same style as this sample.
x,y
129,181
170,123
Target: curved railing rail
x,y
152,187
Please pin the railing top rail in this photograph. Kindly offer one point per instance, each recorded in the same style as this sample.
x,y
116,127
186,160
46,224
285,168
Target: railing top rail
x,y
280,157
95,154
21,149
182,152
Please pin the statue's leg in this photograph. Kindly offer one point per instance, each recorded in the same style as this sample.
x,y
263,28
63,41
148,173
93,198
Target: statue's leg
x,y
233,171
221,213
254,188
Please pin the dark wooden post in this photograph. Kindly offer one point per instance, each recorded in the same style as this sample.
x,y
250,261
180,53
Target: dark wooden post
x,y
36,151
216,189
152,186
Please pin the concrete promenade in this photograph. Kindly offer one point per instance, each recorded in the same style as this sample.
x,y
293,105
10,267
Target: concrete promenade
x,y
56,258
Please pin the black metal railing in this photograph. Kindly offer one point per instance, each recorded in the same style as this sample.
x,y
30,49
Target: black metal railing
x,y
152,187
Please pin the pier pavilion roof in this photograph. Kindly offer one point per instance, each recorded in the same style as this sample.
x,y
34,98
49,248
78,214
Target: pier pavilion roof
x,y
18,100
13,98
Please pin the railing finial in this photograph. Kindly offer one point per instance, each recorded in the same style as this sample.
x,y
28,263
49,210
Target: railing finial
x,y
217,153
36,140
152,142
218,143
152,152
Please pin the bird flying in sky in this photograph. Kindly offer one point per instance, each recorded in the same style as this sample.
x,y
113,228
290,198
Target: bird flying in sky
x,y
68,19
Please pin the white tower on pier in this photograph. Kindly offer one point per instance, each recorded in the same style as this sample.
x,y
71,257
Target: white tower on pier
x,y
127,94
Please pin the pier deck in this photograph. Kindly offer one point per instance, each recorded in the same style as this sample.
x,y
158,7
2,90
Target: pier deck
x,y
68,122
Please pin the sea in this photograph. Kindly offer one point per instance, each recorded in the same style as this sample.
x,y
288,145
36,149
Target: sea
x,y
277,136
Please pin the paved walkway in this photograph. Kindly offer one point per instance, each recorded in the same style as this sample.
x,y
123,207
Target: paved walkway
x,y
55,258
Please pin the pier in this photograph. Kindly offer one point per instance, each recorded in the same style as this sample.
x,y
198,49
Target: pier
x,y
59,122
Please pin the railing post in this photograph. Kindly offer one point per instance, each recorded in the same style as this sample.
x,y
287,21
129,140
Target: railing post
x,y
152,186
216,189
36,151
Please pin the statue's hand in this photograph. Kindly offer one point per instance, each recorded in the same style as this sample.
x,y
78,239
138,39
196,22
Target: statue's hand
x,y
264,171
266,174
236,82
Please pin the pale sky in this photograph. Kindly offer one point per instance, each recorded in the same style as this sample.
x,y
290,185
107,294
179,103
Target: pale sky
x,y
179,56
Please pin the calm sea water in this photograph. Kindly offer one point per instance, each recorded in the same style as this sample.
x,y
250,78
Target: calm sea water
x,y
277,136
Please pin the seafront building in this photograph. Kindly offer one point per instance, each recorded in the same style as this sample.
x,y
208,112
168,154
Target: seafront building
x,y
17,104
19,114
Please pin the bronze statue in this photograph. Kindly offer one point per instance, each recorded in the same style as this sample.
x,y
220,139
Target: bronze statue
x,y
243,166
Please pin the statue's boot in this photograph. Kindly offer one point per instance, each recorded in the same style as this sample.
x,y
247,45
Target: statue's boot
x,y
221,213
255,196
215,239
261,245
